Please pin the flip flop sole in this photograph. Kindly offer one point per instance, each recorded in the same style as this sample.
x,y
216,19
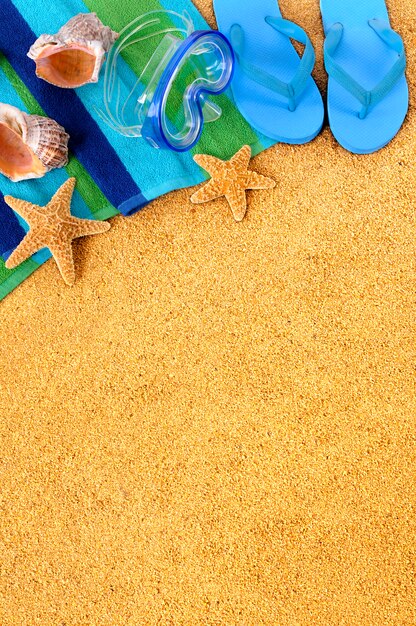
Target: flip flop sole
x,y
364,56
273,52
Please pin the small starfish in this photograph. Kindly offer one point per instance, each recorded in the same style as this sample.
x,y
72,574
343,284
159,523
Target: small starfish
x,y
230,179
52,227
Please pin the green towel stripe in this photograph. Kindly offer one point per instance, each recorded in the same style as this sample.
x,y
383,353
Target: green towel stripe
x,y
110,14
230,132
223,133
90,193
10,279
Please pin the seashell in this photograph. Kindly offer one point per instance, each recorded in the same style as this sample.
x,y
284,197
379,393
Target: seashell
x,y
75,55
30,145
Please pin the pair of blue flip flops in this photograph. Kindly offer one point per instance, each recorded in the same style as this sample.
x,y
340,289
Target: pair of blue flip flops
x,y
273,88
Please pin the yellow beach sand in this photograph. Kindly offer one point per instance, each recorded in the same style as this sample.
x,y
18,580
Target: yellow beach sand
x,y
218,427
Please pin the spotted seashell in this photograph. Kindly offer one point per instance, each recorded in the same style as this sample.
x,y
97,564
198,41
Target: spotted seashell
x,y
74,56
30,145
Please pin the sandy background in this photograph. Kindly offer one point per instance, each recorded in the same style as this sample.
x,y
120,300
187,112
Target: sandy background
x,y
216,425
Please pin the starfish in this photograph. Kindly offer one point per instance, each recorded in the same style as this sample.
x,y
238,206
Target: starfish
x,y
52,227
230,179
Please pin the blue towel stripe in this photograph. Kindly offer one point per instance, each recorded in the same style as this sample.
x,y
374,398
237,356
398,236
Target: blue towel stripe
x,y
87,142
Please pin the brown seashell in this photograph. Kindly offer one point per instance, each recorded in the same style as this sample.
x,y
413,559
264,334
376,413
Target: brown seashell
x,y
74,56
30,145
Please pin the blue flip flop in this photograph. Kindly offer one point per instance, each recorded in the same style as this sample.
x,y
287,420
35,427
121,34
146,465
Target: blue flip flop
x,y
368,95
272,87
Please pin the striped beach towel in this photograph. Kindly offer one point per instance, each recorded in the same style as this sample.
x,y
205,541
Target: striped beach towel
x,y
115,174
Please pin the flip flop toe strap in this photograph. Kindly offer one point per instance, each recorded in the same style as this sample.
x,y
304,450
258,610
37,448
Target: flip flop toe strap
x,y
293,89
368,98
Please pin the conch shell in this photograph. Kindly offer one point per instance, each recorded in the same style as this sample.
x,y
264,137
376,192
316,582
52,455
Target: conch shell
x,y
74,56
30,145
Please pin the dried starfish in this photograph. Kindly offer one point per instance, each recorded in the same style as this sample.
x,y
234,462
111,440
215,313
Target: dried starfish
x,y
52,227
230,179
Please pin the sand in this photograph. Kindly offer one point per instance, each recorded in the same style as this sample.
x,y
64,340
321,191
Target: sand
x,y
216,425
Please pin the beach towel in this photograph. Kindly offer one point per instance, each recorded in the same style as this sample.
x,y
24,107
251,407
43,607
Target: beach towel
x,y
115,174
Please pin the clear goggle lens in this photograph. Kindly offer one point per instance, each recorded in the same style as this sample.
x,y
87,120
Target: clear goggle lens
x,y
168,102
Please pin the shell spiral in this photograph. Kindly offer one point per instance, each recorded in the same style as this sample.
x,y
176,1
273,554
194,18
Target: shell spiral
x,y
47,139
30,145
